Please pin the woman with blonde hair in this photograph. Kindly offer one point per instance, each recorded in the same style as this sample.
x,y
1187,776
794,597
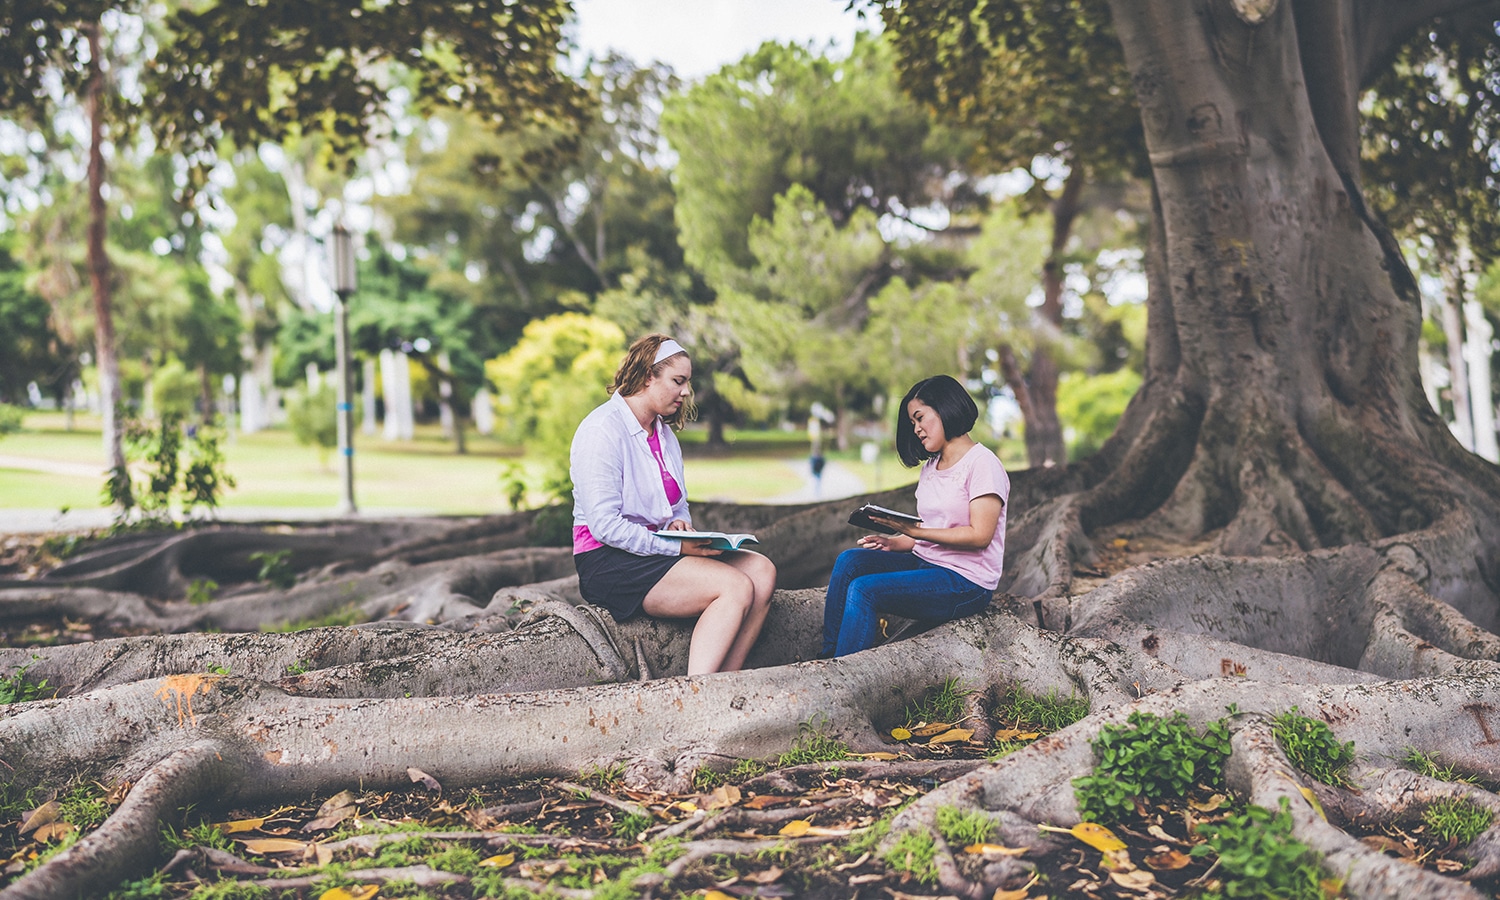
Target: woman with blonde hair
x,y
627,472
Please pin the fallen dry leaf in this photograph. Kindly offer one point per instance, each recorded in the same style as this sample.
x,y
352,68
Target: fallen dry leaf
x,y
995,849
333,811
499,860
1134,880
901,734
45,814
767,877
723,797
1091,833
765,801
1170,861
1015,734
953,735
1387,845
795,828
273,845
1019,893
1209,805
239,825
930,730
883,757
52,831
427,781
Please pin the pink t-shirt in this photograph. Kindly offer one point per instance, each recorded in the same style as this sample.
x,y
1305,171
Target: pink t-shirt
x,y
943,497
584,541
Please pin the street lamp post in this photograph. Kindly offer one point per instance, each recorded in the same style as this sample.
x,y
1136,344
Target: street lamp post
x,y
343,286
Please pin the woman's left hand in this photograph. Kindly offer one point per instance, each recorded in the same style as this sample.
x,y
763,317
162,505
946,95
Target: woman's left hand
x,y
678,525
896,543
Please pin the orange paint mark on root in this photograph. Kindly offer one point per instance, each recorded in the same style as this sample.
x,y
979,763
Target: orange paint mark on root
x,y
179,689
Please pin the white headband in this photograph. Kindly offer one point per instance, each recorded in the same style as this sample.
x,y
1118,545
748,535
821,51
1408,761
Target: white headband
x,y
668,348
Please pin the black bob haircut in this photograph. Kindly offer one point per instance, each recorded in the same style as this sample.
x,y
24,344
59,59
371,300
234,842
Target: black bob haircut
x,y
952,404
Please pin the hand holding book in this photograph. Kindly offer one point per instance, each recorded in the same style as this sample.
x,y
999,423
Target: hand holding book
x,y
864,517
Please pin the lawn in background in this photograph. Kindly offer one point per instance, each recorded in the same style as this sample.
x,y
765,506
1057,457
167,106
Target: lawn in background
x,y
425,475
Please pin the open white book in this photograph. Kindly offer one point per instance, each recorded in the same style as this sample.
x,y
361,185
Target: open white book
x,y
716,539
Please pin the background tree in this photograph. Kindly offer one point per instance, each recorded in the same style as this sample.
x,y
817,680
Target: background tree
x,y
1046,86
30,348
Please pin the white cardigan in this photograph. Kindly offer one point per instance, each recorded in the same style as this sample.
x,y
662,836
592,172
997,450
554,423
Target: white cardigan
x,y
617,487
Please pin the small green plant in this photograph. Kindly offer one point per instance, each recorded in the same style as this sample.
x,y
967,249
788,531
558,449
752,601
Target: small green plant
x,y
599,777
960,828
1310,745
183,466
10,419
300,667
944,703
230,889
83,806
456,858
1259,859
1424,764
1001,749
914,852
814,745
17,688
1150,759
706,779
201,591
204,834
1047,712
274,568
1457,820
218,669
630,826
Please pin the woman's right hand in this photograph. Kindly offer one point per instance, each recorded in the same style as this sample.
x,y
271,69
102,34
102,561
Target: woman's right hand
x,y
699,548
896,543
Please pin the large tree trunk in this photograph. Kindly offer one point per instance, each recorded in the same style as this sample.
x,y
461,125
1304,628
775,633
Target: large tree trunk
x,y
99,271
1339,554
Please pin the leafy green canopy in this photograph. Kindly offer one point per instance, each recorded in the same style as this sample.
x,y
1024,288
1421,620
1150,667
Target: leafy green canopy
x,y
783,116
262,71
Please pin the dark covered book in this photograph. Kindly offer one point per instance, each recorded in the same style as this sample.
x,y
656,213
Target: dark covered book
x,y
860,518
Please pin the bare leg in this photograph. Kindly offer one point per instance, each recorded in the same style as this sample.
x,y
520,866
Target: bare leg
x,y
762,574
720,595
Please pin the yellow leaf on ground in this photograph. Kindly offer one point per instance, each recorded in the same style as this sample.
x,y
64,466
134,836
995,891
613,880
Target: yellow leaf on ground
x,y
274,845
1209,805
499,860
717,895
795,828
820,831
1312,800
363,892
952,736
999,849
1091,833
1016,734
884,757
239,825
931,729
1019,893
901,734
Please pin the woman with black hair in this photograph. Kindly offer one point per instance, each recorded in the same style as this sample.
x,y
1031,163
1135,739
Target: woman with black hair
x,y
946,567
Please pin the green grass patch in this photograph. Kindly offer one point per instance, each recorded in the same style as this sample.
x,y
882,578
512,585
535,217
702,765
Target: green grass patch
x,y
1425,764
1046,713
1310,745
960,828
943,703
17,688
914,852
1456,819
1151,759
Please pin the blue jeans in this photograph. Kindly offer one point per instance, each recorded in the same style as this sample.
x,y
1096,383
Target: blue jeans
x,y
867,584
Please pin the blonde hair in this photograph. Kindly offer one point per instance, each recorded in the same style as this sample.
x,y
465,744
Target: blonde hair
x,y
639,367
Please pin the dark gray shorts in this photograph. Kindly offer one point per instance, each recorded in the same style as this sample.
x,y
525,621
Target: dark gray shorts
x,y
619,580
